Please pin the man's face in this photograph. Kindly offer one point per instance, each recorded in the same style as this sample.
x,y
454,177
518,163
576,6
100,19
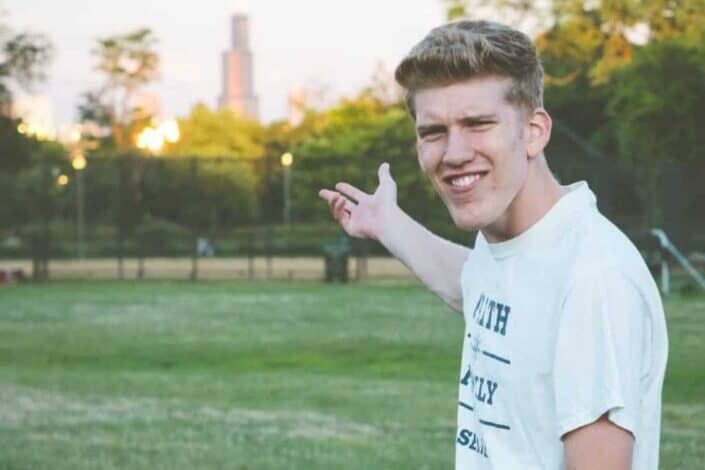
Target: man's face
x,y
472,145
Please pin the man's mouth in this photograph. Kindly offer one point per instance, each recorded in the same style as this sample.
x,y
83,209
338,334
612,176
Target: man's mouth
x,y
464,182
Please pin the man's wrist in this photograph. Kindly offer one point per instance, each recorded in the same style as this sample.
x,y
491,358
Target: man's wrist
x,y
390,224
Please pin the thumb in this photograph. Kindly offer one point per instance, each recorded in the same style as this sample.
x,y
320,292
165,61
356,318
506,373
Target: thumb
x,y
385,177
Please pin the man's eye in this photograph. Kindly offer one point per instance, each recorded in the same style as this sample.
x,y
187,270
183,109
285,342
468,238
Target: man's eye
x,y
479,125
430,135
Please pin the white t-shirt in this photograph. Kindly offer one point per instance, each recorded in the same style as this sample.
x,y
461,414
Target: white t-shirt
x,y
563,324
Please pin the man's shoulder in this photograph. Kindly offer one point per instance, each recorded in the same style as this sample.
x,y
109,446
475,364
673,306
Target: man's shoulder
x,y
595,246
600,250
598,241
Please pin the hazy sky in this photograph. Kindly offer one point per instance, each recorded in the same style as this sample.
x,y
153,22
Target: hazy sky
x,y
294,42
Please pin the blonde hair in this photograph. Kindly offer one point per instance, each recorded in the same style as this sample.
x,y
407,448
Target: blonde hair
x,y
464,49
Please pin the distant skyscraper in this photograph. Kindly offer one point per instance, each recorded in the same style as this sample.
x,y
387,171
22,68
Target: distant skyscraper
x,y
298,102
238,83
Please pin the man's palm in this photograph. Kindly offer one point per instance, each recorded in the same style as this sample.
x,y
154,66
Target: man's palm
x,y
363,215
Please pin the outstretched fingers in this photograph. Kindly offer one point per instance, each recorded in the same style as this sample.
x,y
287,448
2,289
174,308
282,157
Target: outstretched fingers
x,y
351,192
340,206
327,194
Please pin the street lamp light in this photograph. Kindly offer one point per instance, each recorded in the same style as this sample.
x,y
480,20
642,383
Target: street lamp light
x,y
36,130
73,139
78,163
287,159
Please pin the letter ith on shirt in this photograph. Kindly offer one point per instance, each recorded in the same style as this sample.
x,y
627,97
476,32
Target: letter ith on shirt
x,y
491,315
482,387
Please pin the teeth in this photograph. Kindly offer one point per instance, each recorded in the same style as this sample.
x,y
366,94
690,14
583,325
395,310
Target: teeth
x,y
464,181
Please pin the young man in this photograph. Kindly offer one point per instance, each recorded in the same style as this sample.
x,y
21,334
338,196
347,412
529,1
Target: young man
x,y
565,340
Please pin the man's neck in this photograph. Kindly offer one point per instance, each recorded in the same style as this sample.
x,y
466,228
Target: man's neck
x,y
538,195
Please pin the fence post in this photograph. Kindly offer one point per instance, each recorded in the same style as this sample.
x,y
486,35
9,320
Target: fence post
x,y
80,215
137,235
268,250
120,215
250,258
194,253
267,218
42,265
665,275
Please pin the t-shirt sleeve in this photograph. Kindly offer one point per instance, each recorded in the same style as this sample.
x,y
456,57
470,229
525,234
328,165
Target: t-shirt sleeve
x,y
601,352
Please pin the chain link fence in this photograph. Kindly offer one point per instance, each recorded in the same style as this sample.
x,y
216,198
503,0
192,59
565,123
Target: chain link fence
x,y
130,216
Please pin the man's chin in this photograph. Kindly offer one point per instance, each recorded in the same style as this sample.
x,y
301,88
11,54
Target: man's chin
x,y
467,223
467,216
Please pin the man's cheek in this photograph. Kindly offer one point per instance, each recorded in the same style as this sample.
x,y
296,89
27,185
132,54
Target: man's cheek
x,y
425,166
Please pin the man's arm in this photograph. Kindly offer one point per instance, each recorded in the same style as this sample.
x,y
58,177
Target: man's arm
x,y
435,261
599,445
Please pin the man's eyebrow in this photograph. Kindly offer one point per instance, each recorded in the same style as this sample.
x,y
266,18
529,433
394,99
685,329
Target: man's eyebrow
x,y
478,118
466,120
430,127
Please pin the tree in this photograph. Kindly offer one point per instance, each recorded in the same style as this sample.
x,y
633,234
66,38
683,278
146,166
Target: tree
x,y
221,133
226,152
24,58
128,63
16,148
528,16
656,108
455,9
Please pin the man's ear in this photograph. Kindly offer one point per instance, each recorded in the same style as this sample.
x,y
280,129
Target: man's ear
x,y
538,132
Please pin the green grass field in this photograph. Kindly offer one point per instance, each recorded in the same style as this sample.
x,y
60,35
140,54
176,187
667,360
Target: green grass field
x,y
260,376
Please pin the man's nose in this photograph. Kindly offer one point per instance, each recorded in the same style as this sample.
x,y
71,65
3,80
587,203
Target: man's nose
x,y
459,148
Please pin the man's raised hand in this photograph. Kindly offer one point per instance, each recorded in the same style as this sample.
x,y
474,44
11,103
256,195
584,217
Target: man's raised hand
x,y
360,214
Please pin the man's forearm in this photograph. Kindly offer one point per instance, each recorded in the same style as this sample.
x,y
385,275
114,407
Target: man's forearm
x,y
435,261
